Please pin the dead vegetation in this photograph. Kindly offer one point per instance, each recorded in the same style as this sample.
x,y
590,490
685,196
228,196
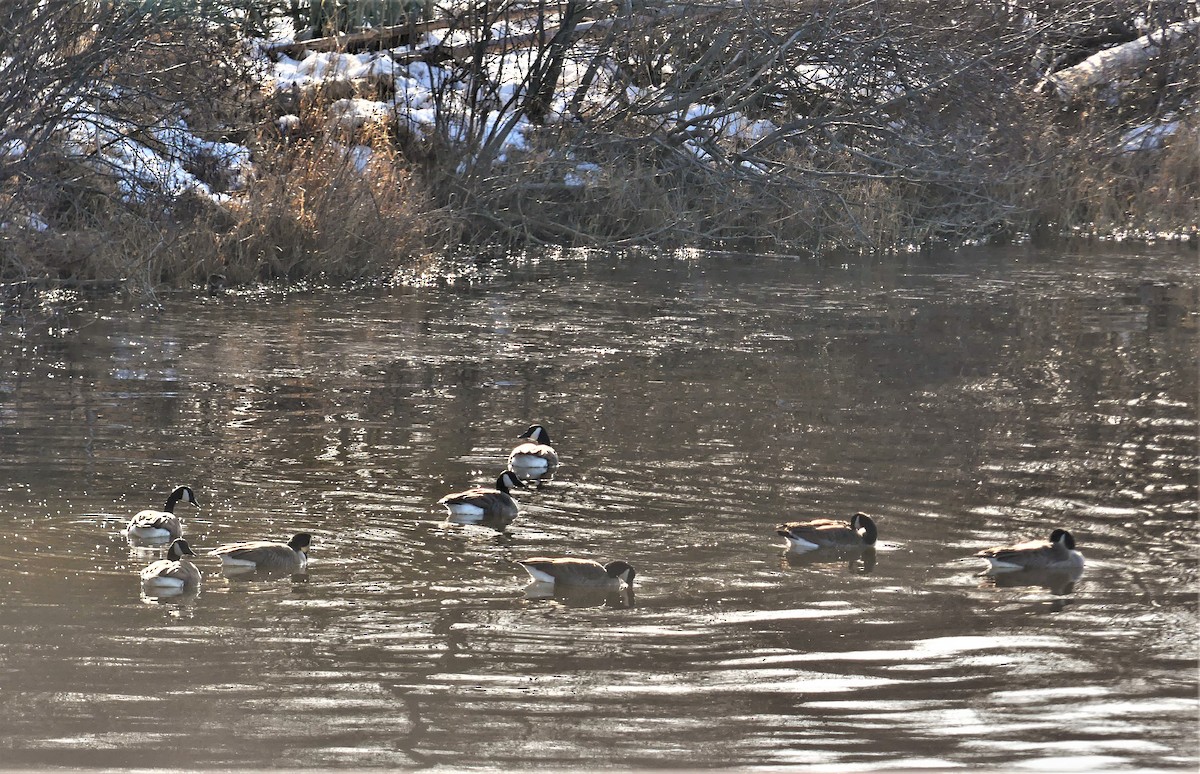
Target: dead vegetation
x,y
309,206
767,125
324,209
891,124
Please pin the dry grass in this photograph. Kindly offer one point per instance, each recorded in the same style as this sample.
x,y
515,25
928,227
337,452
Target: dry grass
x,y
978,157
1089,184
326,209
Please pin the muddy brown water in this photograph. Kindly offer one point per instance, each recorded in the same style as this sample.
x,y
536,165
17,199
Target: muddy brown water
x,y
963,400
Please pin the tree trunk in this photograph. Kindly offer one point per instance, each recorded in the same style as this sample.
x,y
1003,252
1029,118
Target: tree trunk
x,y
1111,63
544,79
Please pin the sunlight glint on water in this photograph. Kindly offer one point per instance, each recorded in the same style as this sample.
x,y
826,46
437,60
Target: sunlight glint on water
x,y
962,400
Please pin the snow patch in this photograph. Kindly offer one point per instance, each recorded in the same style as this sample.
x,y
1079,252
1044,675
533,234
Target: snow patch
x,y
1148,137
143,172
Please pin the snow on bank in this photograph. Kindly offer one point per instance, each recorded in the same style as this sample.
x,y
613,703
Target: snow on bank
x,y
160,164
170,160
1148,137
419,89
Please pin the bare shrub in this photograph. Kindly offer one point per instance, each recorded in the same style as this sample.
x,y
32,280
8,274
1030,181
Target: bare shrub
x,y
80,80
325,209
769,124
864,100
890,123
90,116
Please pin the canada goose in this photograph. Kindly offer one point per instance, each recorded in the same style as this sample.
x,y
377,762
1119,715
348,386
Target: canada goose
x,y
265,556
483,505
1057,553
535,455
153,526
829,533
173,574
569,571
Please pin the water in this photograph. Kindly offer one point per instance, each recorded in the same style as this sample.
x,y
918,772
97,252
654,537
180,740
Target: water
x,y
962,400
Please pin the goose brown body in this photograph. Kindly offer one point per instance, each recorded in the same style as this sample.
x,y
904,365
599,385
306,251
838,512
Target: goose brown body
x,y
1056,553
571,571
175,573
485,505
860,531
536,453
154,526
266,556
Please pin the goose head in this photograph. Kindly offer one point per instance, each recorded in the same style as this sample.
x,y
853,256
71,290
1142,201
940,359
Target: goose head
x,y
621,571
1060,537
179,549
536,434
182,494
863,522
508,480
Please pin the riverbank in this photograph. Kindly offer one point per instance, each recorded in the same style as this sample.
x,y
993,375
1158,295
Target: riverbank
x,y
797,130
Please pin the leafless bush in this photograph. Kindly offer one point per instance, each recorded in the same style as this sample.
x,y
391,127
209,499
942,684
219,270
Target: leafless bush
x,y
890,123
773,124
324,209
860,98
79,81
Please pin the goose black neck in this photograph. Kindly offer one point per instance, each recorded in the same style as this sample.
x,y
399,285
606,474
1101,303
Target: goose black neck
x,y
870,532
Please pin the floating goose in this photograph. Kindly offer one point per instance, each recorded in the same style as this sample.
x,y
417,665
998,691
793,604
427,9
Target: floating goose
x,y
265,556
1057,553
483,505
536,455
829,533
151,526
569,571
173,574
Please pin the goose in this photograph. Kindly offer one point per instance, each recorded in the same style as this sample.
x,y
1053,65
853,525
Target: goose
x,y
265,556
860,531
570,571
153,526
535,455
173,574
483,505
1056,553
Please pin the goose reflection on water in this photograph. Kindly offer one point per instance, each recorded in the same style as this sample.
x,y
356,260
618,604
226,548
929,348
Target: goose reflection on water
x,y
179,597
858,561
580,596
1058,581
238,577
495,523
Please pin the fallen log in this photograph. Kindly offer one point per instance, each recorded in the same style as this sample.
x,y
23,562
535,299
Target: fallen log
x,y
1111,63
378,38
401,34
463,52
